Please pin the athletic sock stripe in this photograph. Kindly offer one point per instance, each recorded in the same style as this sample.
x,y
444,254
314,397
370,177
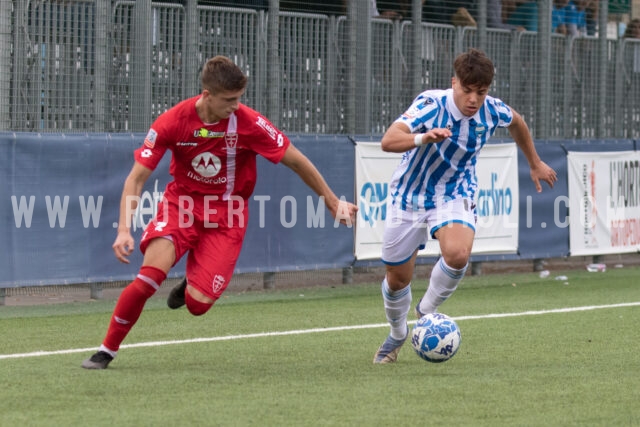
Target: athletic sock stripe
x,y
149,281
451,272
396,294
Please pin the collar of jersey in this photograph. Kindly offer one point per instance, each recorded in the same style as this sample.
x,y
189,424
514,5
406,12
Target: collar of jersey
x,y
453,108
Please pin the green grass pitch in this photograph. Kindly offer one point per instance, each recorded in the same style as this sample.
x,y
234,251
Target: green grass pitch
x,y
303,357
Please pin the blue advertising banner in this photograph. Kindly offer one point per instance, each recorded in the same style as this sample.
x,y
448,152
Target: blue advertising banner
x,y
60,200
60,206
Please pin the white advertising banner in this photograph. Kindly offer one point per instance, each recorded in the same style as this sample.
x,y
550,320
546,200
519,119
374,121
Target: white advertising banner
x,y
497,200
604,202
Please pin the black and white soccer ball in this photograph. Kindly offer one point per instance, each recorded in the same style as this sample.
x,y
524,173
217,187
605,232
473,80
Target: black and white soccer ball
x,y
436,337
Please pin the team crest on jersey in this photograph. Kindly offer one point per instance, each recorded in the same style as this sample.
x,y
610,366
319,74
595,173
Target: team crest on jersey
x,y
480,130
206,133
150,139
231,139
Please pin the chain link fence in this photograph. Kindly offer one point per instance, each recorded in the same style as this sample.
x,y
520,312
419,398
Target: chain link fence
x,y
114,66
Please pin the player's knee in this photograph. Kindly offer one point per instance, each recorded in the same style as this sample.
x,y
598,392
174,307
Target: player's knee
x,y
195,307
397,280
457,259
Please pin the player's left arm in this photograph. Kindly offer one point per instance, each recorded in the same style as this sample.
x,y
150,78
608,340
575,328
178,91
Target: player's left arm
x,y
540,171
342,210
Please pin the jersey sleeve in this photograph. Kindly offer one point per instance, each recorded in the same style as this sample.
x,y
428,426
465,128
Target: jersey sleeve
x,y
422,113
154,146
501,112
267,140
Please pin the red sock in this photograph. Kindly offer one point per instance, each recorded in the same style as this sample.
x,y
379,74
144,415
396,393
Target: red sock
x,y
194,306
130,305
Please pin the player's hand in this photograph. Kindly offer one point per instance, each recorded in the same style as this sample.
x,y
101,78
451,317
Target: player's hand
x,y
436,135
543,172
346,213
123,246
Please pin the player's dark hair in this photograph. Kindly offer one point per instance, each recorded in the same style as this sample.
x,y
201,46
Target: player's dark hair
x,y
474,68
220,74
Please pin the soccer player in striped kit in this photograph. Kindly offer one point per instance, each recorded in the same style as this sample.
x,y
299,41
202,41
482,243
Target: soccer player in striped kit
x,y
433,188
214,140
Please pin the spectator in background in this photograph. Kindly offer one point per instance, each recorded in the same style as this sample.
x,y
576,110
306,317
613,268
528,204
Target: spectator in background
x,y
567,17
508,6
581,17
575,19
456,12
324,7
525,15
559,18
587,11
590,8
251,4
633,30
391,9
494,17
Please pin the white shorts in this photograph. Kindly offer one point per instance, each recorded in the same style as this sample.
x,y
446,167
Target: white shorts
x,y
404,231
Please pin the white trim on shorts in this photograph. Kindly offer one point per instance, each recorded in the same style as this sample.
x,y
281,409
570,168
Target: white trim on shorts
x,y
408,231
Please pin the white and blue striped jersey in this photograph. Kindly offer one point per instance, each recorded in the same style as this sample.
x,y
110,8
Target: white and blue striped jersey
x,y
436,172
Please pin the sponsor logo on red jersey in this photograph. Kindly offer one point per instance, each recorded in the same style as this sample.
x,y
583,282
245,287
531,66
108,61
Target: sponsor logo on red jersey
x,y
206,164
264,124
205,133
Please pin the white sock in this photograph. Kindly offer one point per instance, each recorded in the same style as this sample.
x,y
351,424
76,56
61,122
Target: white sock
x,y
444,280
105,349
396,307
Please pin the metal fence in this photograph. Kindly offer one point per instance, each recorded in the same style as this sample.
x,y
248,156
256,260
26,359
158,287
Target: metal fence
x,y
113,66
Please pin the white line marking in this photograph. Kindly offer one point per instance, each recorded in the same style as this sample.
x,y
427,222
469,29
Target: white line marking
x,y
314,330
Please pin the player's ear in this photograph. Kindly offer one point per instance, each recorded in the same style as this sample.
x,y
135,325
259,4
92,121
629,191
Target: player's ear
x,y
453,81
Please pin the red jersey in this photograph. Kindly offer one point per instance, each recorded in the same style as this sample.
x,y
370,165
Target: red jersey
x,y
212,159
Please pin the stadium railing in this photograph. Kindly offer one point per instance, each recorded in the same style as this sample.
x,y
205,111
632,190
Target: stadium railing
x,y
83,66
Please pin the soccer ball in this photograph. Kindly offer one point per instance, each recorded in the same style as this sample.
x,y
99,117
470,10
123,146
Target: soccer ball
x,y
436,337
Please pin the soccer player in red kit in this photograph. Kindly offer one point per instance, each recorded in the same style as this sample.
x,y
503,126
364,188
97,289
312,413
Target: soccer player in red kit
x,y
214,140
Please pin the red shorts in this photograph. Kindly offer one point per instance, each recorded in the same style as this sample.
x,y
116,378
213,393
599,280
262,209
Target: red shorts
x,y
211,232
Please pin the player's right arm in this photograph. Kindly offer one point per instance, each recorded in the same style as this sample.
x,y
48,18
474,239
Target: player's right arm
x,y
124,244
398,138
